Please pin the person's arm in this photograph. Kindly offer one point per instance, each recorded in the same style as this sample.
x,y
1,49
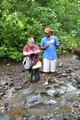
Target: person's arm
x,y
44,47
37,52
36,49
26,52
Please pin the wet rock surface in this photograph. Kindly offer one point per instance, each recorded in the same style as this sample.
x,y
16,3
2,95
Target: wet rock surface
x,y
22,100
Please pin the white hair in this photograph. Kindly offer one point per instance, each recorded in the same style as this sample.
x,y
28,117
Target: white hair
x,y
30,40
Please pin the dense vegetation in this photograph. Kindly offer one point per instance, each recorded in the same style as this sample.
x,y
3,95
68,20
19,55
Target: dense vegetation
x,y
21,19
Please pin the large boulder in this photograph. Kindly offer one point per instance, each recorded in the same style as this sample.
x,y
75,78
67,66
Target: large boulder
x,y
76,51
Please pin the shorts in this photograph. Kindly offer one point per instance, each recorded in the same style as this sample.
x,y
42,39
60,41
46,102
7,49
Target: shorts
x,y
49,65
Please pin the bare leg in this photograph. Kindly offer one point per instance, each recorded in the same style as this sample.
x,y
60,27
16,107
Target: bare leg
x,y
53,76
46,78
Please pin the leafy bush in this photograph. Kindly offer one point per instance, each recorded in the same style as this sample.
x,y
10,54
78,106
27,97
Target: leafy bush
x,y
67,42
22,19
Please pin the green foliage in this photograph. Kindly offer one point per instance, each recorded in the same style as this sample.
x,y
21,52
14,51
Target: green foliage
x,y
21,19
3,51
67,42
15,55
11,53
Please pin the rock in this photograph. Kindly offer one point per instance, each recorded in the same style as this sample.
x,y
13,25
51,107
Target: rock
x,y
2,94
28,117
69,69
74,57
77,51
5,117
10,83
18,86
60,64
64,74
33,101
71,117
76,104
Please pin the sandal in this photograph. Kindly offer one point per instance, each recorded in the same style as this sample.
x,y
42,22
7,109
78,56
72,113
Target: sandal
x,y
46,83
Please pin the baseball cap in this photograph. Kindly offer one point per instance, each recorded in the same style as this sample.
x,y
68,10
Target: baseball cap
x,y
47,30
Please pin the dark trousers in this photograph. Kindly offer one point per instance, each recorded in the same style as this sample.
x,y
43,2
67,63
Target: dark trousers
x,y
35,75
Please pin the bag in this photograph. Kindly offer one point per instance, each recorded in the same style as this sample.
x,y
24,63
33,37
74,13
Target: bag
x,y
27,62
37,65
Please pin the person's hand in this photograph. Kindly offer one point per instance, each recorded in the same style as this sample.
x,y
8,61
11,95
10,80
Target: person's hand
x,y
37,52
46,46
31,52
28,53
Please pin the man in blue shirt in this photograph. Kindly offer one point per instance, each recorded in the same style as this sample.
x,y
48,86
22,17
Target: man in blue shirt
x,y
48,45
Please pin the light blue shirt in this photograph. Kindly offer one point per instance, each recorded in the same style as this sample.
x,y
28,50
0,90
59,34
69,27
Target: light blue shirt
x,y
50,52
